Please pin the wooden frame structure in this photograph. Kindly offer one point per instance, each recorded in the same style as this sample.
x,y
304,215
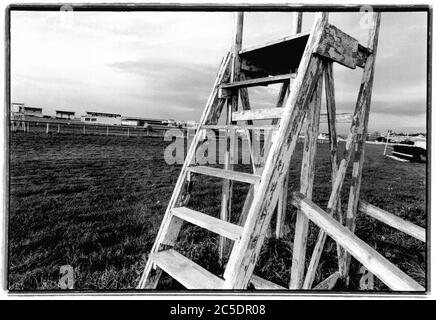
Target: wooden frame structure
x,y
307,68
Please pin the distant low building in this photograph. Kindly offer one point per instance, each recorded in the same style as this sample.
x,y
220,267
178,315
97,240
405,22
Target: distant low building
x,y
61,114
30,111
101,118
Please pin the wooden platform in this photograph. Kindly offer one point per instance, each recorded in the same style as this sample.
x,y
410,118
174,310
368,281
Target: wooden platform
x,y
283,55
279,56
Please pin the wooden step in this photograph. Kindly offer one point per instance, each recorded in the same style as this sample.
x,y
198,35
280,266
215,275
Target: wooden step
x,y
241,127
259,81
221,227
274,113
259,114
226,174
185,271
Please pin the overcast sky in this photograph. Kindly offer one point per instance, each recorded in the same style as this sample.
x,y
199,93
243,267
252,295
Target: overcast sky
x,y
163,64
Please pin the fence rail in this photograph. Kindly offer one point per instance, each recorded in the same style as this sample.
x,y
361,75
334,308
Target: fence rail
x,y
58,127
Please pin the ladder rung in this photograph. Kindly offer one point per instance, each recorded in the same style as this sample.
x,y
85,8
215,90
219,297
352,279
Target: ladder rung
x,y
226,174
259,114
236,127
259,81
221,227
272,113
185,271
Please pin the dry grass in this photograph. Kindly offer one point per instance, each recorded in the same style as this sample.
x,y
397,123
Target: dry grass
x,y
96,203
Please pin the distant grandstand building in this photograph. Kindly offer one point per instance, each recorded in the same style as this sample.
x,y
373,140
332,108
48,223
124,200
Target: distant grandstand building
x,y
60,114
26,111
101,118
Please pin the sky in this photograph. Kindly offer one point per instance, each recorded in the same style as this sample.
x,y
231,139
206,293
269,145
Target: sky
x,y
163,64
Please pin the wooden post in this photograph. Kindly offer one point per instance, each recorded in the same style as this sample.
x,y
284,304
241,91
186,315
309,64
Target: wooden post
x,y
386,144
331,115
245,253
128,132
59,128
84,130
297,21
48,128
360,120
306,187
107,130
359,156
232,105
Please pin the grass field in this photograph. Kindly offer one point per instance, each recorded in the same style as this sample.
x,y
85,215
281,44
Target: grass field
x,y
96,203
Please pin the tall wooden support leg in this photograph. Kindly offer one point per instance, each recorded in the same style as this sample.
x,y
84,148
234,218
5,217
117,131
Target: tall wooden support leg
x,y
246,252
232,105
331,114
360,119
284,92
365,91
306,187
297,21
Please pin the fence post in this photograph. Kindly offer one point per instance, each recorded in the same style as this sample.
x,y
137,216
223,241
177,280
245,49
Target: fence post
x,y
107,130
128,132
84,130
48,128
59,128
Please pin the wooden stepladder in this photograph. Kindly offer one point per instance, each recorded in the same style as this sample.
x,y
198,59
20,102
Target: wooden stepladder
x,y
299,62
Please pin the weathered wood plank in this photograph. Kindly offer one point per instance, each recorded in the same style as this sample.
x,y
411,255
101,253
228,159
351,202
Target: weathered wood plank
x,y
259,81
297,22
331,113
387,272
232,106
365,93
245,252
223,228
258,114
338,46
226,174
275,113
392,220
281,208
185,271
170,225
240,127
356,127
306,187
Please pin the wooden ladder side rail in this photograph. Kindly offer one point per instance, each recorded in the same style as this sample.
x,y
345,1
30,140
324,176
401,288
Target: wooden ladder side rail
x,y
359,117
232,106
306,187
170,226
245,253
366,91
387,272
392,220
331,114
